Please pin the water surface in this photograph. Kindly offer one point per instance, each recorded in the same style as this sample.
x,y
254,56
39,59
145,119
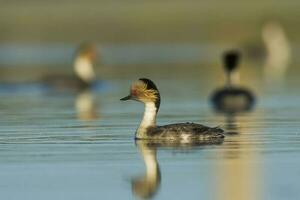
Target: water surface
x,y
51,148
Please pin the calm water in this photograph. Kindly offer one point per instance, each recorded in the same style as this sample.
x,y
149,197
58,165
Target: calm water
x,y
80,146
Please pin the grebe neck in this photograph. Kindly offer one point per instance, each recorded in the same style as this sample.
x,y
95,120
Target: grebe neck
x,y
149,119
84,69
232,79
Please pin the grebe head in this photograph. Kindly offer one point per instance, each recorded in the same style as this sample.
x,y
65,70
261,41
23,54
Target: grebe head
x,y
144,90
85,57
87,50
231,59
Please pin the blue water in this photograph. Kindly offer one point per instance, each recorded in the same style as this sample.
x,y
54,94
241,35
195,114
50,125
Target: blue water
x,y
52,149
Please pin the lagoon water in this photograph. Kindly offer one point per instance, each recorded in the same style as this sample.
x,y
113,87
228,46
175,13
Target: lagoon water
x,y
63,145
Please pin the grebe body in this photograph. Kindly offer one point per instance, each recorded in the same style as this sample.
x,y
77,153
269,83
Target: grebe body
x,y
83,76
145,91
232,98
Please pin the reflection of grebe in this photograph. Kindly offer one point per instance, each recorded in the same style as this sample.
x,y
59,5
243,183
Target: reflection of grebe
x,y
230,123
146,186
84,74
85,105
145,91
232,98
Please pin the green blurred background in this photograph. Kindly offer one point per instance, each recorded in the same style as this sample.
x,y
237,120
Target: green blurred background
x,y
122,21
204,28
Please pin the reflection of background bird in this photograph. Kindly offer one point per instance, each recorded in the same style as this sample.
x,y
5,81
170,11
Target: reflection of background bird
x,y
230,124
232,97
85,105
238,172
147,185
83,68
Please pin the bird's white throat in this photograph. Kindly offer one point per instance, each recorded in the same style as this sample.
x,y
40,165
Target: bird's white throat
x,y
84,69
233,79
149,119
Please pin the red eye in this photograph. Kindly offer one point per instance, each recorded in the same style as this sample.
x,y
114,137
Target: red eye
x,y
133,92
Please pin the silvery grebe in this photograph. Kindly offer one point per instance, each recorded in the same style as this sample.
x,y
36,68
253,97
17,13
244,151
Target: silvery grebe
x,y
145,91
232,98
83,68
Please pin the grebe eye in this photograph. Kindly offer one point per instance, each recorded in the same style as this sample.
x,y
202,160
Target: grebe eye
x,y
134,92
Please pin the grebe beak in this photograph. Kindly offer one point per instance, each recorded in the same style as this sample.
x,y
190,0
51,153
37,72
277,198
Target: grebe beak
x,y
129,97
